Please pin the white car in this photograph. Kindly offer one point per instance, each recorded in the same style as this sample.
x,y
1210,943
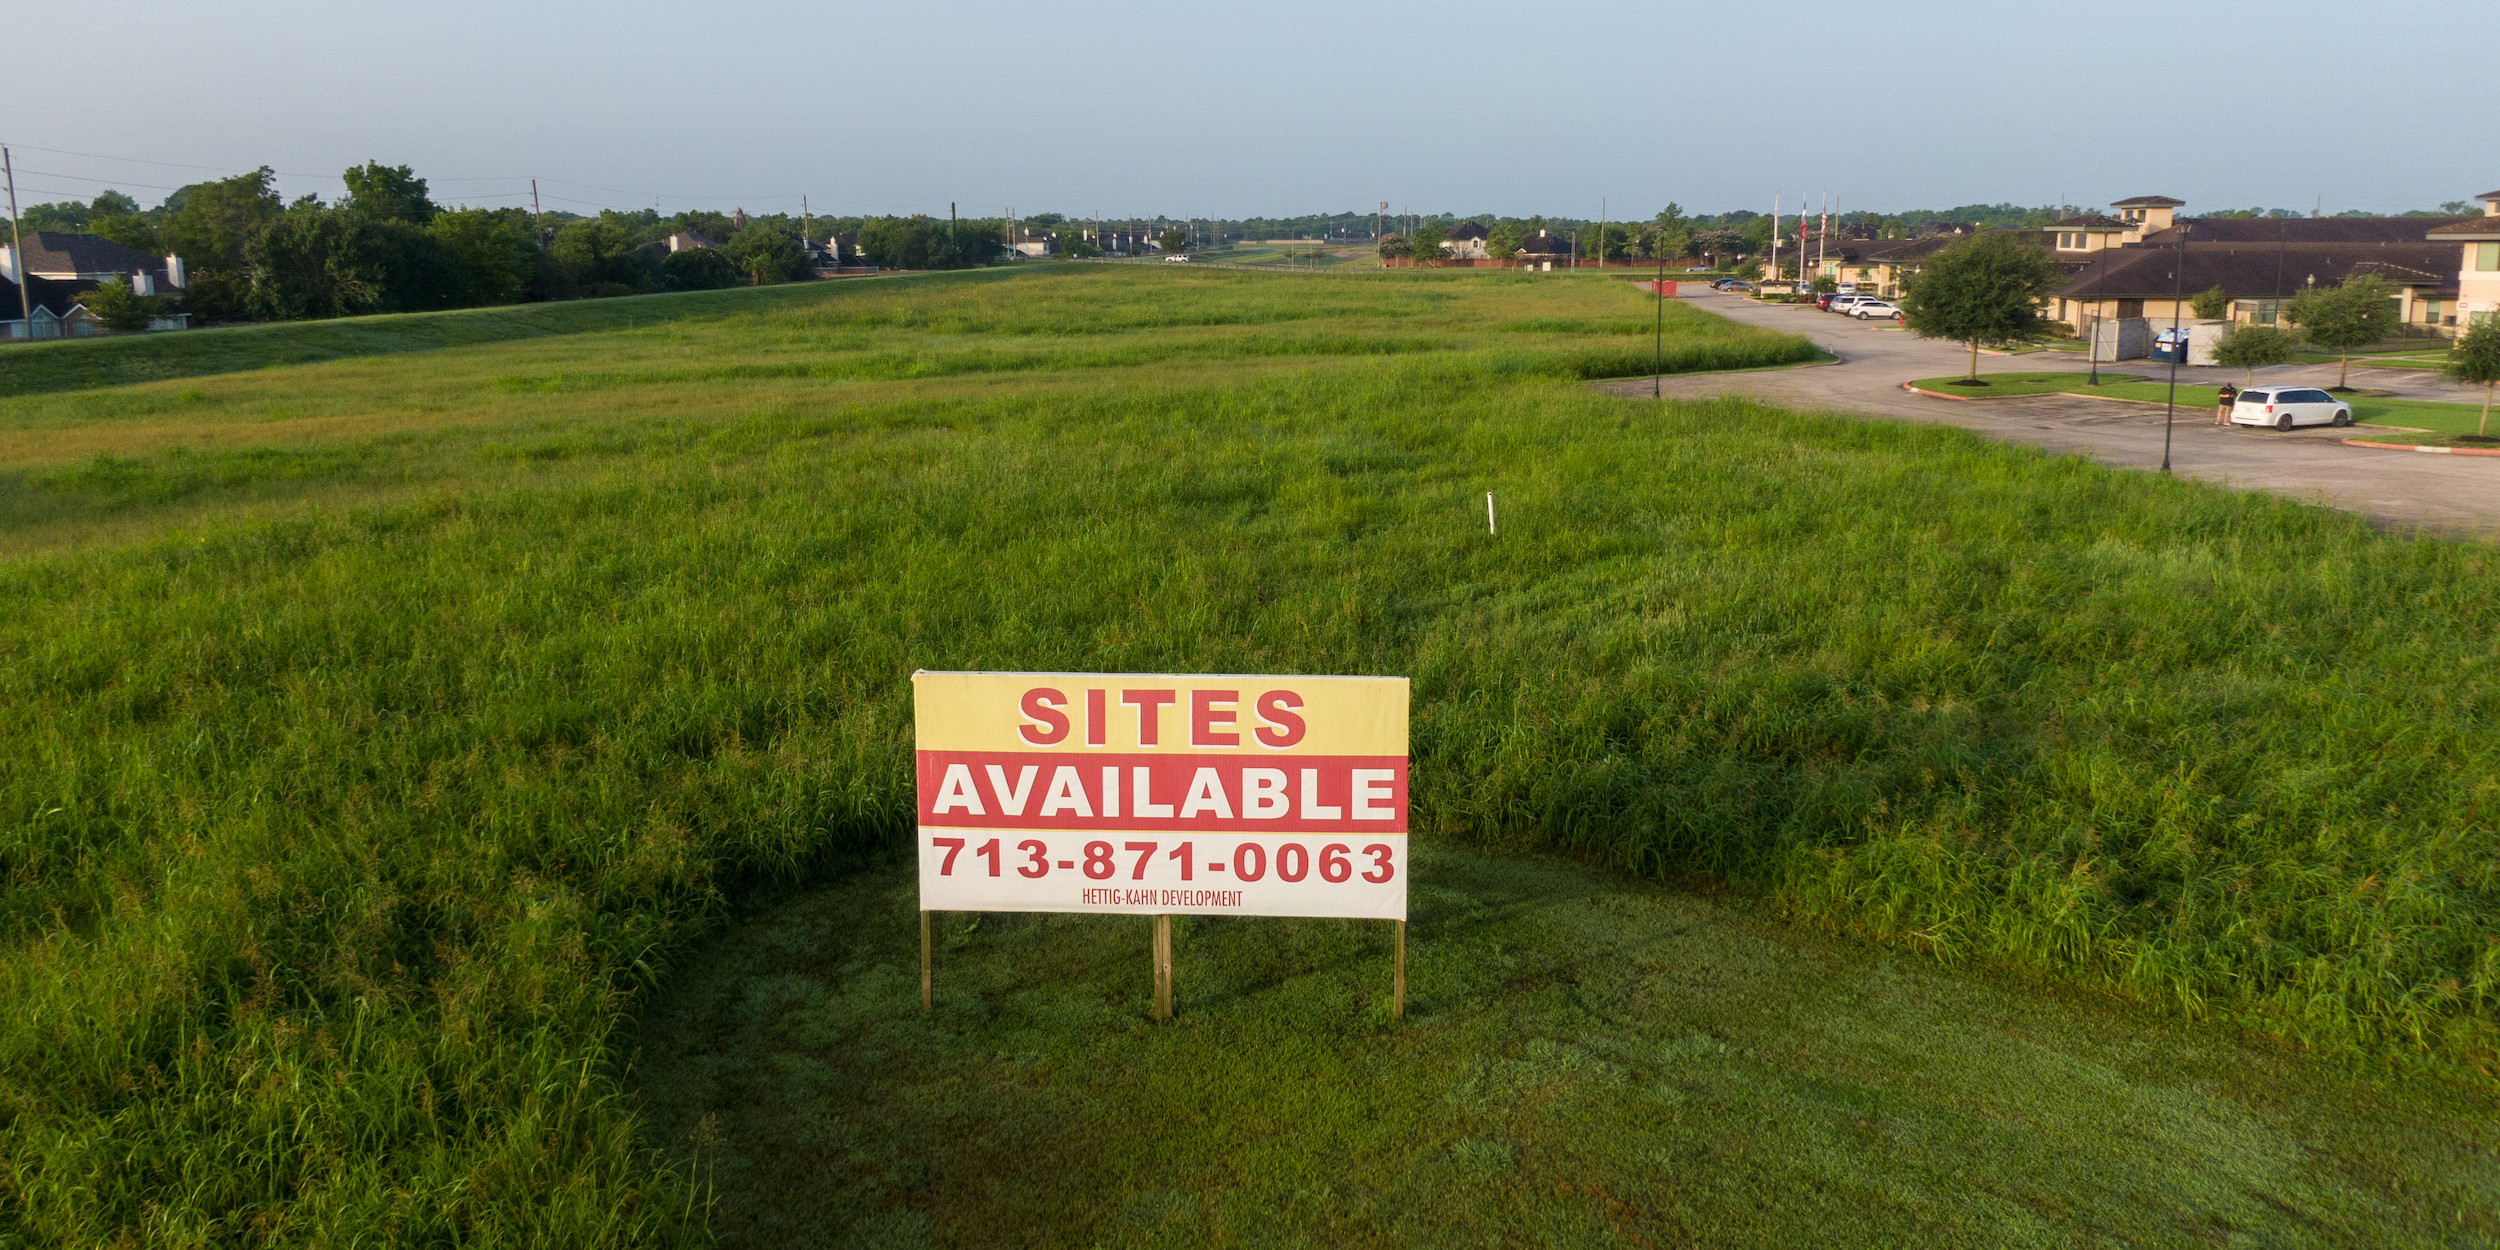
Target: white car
x,y
2286,406
1869,309
1847,300
1848,288
1176,260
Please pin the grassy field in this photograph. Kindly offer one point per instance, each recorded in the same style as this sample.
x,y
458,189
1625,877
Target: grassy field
x,y
385,731
2439,418
1587,1062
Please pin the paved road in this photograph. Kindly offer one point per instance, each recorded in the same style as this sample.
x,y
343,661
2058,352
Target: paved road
x,y
2398,489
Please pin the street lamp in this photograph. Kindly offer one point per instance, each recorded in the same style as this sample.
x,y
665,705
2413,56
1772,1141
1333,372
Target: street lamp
x,y
2178,291
1658,349
2100,293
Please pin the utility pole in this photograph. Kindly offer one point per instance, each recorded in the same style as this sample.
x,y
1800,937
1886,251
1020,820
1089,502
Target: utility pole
x,y
1601,232
1775,239
538,216
17,250
805,220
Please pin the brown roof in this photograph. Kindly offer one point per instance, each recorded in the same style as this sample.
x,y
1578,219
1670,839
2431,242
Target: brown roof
x,y
2147,201
2261,271
2468,228
2089,221
1466,230
2300,230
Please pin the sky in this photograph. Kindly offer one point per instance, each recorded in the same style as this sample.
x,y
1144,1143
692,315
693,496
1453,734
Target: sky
x,y
1117,109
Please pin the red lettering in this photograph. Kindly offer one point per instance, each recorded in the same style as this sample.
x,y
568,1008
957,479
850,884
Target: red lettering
x,y
1277,708
1149,703
1097,720
1044,705
1203,718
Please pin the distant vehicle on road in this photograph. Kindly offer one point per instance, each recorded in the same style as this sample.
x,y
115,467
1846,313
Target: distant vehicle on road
x,y
1732,284
1698,269
1176,260
2288,406
1869,309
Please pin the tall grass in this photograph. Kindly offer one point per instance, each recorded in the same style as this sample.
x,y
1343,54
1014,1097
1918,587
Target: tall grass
x,y
358,788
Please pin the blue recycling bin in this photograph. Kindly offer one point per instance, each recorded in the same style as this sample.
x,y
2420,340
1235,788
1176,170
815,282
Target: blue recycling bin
x,y
2170,349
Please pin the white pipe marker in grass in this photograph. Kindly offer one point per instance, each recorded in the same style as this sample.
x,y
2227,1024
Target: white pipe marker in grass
x,y
1488,514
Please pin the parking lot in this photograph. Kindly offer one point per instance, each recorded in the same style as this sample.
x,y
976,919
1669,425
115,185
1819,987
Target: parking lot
x,y
2398,489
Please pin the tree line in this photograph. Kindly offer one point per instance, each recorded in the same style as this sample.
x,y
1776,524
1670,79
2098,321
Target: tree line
x,y
387,246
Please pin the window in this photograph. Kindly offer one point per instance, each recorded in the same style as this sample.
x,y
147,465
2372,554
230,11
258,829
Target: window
x,y
2255,397
2430,312
2486,257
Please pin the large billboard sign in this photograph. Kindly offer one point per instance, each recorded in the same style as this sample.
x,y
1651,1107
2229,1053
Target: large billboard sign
x,y
1154,795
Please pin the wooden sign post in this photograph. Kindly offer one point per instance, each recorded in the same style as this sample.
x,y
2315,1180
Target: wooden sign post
x,y
1162,795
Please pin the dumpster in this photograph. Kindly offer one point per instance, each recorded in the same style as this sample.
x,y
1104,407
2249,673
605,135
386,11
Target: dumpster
x,y
2170,347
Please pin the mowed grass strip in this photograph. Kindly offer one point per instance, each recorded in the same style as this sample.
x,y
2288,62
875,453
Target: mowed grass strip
x,y
354,802
1586,1062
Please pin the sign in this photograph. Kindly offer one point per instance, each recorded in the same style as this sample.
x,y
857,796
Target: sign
x,y
1152,795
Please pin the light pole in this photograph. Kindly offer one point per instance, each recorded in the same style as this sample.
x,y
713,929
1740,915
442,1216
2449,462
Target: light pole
x,y
2099,294
2178,291
1658,347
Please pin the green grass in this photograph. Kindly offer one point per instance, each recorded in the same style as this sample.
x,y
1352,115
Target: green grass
x,y
1586,1062
385,730
2422,414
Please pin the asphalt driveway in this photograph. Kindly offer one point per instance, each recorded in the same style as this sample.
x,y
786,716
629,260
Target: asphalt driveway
x,y
2398,489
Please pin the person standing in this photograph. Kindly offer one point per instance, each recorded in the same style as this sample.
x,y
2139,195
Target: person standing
x,y
2226,397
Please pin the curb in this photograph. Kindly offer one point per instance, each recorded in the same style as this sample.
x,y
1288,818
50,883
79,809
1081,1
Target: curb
x,y
2436,451
2099,399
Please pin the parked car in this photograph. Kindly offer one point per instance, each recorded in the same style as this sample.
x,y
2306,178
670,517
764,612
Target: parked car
x,y
1848,288
1869,309
1824,301
2288,406
1843,303
1176,260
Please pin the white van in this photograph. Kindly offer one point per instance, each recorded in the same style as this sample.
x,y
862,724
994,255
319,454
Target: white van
x,y
2286,406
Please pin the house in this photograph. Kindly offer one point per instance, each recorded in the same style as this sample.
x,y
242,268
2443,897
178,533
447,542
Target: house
x,y
50,310
1466,241
2478,275
2259,263
657,250
58,267
1546,249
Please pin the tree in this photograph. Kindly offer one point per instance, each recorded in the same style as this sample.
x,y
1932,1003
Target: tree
x,y
2476,358
766,255
1076,247
697,269
323,262
1983,290
2210,304
496,249
2354,313
1824,284
209,226
1395,247
1503,240
597,256
1428,240
1174,240
387,193
120,309
2249,347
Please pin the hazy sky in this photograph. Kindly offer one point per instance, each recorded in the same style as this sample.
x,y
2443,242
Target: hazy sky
x,y
1125,108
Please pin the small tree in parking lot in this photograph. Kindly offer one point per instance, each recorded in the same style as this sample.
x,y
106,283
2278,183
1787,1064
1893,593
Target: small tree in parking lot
x,y
2355,313
1983,291
2476,358
2248,347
